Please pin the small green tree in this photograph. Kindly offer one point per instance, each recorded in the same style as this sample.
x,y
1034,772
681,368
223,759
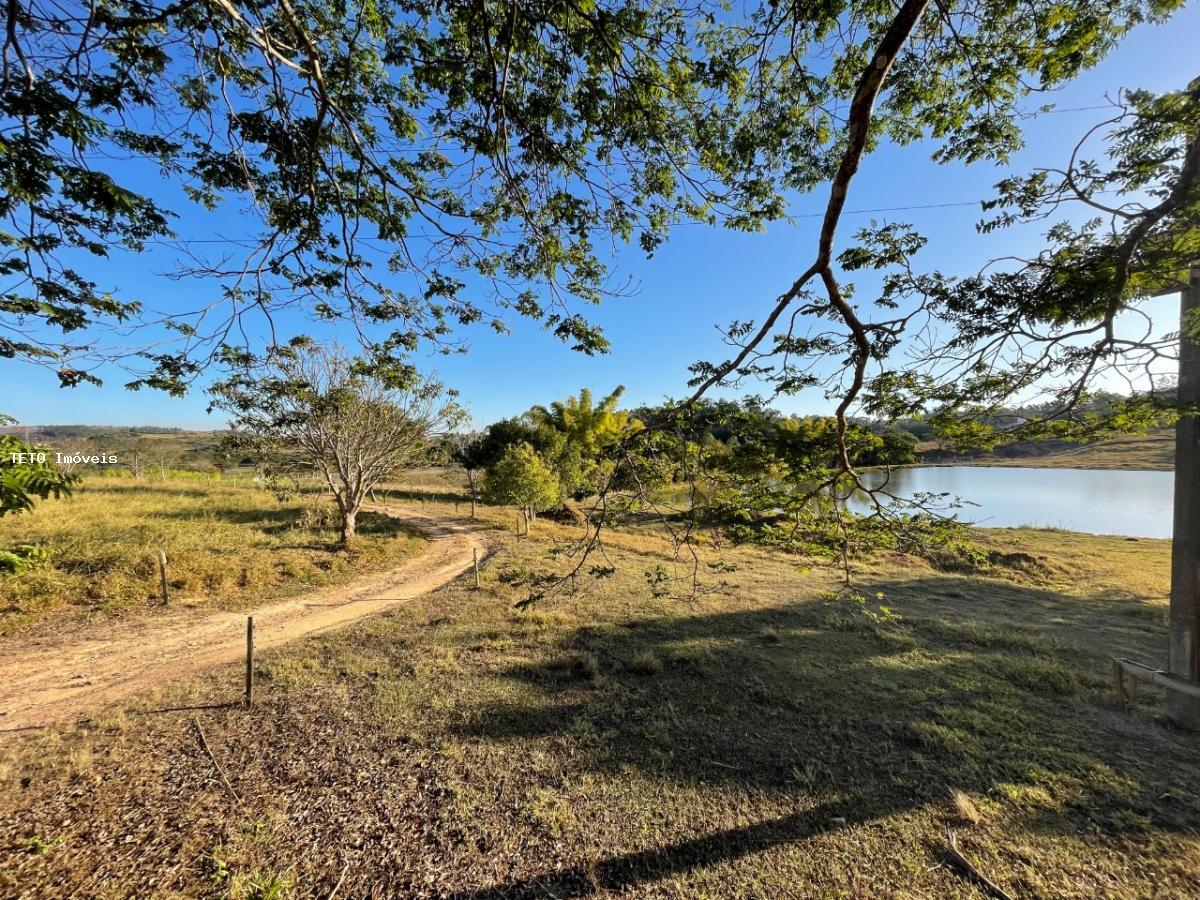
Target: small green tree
x,y
27,473
895,448
521,478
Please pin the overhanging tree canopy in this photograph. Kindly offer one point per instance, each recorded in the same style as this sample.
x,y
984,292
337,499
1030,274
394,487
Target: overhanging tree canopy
x,y
386,151
411,166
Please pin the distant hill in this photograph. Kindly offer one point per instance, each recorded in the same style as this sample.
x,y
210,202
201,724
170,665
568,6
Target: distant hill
x,y
1153,450
85,431
188,449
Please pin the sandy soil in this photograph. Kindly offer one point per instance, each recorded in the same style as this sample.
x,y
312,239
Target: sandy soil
x,y
55,679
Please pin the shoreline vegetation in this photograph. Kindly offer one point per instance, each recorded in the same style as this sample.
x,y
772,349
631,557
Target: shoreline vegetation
x,y
763,734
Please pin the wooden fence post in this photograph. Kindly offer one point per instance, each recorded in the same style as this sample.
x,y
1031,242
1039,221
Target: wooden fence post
x,y
162,576
475,558
249,661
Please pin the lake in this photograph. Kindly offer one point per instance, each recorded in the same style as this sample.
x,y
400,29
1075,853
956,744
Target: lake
x,y
1095,501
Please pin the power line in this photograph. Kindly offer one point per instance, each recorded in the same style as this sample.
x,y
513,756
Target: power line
x,y
882,209
250,242
1042,112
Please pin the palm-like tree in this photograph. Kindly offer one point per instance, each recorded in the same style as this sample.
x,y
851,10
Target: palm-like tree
x,y
588,427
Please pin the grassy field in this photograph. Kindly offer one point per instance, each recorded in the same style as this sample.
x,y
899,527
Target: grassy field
x,y
227,545
1155,450
761,739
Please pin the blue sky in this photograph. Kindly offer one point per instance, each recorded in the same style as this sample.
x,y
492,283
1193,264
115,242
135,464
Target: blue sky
x,y
702,278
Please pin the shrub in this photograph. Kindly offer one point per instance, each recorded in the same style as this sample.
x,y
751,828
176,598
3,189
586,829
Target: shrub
x,y
583,665
22,557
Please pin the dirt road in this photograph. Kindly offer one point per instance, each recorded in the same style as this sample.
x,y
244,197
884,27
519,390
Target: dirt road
x,y
57,679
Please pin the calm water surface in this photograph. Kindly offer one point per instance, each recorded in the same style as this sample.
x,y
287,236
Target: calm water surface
x,y
1095,501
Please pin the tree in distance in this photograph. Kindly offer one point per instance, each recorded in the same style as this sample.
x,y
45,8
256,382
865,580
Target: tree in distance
x,y
576,436
313,407
573,437
469,450
588,426
523,479
133,451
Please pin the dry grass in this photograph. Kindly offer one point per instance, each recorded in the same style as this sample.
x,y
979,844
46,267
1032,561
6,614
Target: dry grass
x,y
785,746
227,545
965,808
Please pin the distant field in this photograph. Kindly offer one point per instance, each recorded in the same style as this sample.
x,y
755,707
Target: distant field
x,y
227,544
1155,450
760,739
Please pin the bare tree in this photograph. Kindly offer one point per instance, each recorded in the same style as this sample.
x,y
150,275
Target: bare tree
x,y
318,406
161,458
132,456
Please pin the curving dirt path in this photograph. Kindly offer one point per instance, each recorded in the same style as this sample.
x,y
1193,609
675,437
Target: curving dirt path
x,y
57,679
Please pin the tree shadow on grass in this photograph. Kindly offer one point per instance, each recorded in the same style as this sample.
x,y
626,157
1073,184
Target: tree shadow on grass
x,y
628,870
377,524
854,719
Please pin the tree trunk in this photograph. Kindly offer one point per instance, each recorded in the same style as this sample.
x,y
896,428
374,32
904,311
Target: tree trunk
x,y
349,526
1184,653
